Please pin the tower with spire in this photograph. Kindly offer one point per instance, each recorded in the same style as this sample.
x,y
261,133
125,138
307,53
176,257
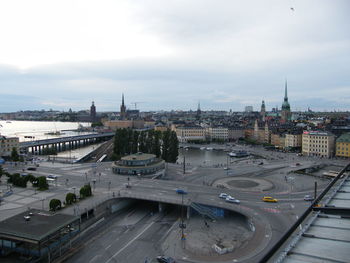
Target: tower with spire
x,y
263,110
122,109
286,113
93,112
198,114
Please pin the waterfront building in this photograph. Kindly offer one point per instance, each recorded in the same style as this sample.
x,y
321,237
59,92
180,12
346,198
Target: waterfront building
x,y
190,133
93,112
286,113
343,146
7,144
138,164
318,143
278,139
120,124
235,133
293,140
217,133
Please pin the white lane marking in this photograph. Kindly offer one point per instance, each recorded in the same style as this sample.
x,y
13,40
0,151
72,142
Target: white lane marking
x,y
92,260
108,246
132,240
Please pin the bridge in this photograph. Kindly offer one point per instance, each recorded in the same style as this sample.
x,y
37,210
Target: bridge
x,y
64,143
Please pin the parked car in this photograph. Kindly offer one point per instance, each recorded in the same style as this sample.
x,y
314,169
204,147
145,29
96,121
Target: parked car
x,y
269,199
231,199
308,198
223,195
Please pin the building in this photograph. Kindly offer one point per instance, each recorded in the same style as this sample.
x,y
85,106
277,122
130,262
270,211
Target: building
x,y
122,109
286,113
278,140
217,133
7,144
263,110
235,133
93,112
120,124
138,164
40,235
293,140
198,113
318,143
343,146
248,108
190,133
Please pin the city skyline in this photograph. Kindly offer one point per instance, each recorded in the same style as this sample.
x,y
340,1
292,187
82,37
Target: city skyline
x,y
169,57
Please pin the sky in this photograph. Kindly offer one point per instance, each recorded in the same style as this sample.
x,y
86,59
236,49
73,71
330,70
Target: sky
x,y
170,55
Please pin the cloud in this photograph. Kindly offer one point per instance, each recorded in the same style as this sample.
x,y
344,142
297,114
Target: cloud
x,y
172,54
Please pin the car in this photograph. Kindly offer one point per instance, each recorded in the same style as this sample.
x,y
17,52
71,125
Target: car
x,y
51,176
231,199
181,191
308,198
223,195
261,163
269,199
31,168
163,259
297,164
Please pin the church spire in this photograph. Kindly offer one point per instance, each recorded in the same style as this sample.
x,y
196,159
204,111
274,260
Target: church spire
x,y
285,92
122,99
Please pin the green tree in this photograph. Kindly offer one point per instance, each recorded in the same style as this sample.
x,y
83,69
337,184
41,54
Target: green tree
x,y
17,180
42,183
14,155
55,204
173,148
165,145
156,143
85,191
70,198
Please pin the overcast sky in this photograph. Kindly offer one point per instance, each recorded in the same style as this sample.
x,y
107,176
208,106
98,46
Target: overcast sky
x,y
170,54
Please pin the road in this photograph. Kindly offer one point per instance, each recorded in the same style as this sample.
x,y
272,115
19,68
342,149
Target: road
x,y
141,239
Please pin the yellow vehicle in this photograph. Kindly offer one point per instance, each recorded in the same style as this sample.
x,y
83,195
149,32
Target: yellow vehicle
x,y
269,199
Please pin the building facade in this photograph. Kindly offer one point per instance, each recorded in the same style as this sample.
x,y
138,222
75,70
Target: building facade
x,y
217,133
318,143
7,144
293,140
190,133
343,146
138,164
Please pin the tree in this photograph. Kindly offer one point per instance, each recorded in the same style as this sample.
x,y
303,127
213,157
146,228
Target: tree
x,y
70,198
55,204
156,143
42,183
165,145
85,191
173,148
14,155
1,171
17,180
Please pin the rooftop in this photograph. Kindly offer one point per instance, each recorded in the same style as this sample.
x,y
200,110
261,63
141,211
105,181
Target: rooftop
x,y
40,225
138,157
344,138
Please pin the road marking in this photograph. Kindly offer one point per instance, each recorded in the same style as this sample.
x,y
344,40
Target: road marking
x,y
108,246
132,240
